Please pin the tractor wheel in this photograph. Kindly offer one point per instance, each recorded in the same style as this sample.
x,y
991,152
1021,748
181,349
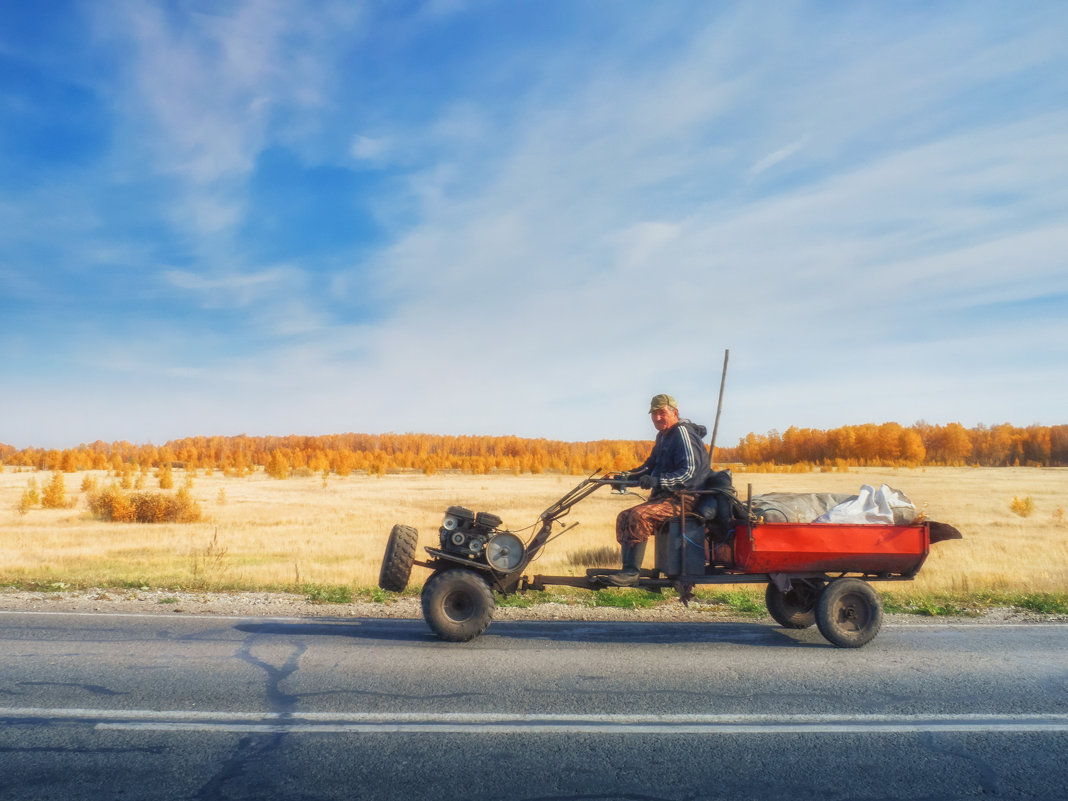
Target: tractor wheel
x,y
457,604
795,609
849,613
397,561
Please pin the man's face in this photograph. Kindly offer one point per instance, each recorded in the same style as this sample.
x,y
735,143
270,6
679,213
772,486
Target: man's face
x,y
665,417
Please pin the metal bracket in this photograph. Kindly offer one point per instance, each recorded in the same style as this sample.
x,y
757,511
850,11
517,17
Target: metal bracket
x,y
781,582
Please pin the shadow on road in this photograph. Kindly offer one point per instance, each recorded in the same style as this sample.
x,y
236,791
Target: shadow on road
x,y
406,632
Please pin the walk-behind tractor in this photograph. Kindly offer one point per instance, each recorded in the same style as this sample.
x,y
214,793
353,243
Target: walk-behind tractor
x,y
816,573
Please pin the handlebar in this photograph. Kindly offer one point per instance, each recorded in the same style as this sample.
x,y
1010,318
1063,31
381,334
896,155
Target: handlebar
x,y
618,484
562,507
586,488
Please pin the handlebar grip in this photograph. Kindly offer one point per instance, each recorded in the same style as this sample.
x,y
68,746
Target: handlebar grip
x,y
617,484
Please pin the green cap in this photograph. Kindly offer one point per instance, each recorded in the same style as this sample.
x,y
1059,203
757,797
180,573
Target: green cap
x,y
660,401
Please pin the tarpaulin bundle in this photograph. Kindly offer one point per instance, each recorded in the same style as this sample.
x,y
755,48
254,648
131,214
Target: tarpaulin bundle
x,y
884,505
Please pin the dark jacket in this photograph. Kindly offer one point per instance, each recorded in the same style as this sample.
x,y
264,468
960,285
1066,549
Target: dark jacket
x,y
679,460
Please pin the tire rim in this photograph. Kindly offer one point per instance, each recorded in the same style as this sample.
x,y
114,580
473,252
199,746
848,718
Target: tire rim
x,y
458,606
852,613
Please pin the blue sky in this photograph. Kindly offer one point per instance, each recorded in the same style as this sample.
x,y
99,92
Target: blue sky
x,y
528,217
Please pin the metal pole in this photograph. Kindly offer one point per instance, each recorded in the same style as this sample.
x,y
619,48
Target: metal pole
x,y
719,408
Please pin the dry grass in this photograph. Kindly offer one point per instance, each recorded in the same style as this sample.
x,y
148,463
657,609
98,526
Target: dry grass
x,y
260,533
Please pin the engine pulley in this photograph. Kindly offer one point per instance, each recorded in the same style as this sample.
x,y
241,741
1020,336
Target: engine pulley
x,y
504,551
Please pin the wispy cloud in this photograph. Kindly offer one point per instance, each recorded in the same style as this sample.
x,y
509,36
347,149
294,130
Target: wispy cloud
x,y
780,155
374,149
240,289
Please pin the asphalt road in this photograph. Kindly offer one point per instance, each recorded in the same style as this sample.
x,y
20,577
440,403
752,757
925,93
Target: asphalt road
x,y
169,707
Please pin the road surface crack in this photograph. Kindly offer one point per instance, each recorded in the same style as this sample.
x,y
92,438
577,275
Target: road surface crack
x,y
255,749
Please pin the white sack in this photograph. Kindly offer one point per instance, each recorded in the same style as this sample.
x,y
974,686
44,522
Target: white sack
x,y
872,505
796,507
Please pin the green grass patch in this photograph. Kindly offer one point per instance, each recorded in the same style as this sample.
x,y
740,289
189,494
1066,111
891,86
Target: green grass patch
x,y
328,593
624,599
135,585
525,600
380,596
928,606
973,604
1043,603
745,603
376,595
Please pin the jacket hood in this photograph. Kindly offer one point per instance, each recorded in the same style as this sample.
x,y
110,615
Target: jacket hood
x,y
697,428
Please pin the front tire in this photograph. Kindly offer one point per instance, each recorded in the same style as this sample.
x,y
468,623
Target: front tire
x,y
849,613
795,609
457,604
398,558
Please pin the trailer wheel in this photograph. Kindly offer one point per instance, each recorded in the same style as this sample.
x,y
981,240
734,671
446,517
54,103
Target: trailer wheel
x,y
398,558
849,613
795,609
457,604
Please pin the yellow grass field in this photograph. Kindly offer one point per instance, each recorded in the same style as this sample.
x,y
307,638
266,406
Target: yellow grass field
x,y
260,533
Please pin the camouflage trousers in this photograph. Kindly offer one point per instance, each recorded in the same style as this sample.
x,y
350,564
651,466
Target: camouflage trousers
x,y
639,523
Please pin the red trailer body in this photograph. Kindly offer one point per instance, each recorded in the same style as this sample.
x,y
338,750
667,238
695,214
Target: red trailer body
x,y
831,548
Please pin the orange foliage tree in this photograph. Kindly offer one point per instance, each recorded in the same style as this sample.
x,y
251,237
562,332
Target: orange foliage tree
x,y
893,444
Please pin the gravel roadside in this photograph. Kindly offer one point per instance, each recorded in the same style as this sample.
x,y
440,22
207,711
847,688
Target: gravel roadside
x,y
255,604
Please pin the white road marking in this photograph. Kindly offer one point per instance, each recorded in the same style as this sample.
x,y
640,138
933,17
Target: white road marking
x,y
505,723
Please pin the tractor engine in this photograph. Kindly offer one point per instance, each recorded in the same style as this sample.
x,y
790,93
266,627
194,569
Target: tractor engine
x,y
465,533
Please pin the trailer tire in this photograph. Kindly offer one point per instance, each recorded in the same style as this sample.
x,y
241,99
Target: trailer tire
x,y
795,609
398,558
457,604
849,613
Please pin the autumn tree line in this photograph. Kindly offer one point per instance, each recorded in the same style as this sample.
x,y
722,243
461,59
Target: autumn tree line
x,y
892,444
887,444
341,454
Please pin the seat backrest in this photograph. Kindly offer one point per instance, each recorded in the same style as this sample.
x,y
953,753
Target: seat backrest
x,y
714,501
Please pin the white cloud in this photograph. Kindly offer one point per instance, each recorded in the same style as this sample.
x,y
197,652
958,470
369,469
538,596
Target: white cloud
x,y
370,148
233,284
272,297
777,157
640,245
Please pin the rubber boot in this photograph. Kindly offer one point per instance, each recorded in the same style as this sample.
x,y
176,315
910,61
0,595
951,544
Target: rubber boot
x,y
632,562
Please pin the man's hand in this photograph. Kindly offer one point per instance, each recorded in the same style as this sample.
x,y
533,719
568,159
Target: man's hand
x,y
648,482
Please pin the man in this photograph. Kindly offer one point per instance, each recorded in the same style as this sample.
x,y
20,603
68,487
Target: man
x,y
678,462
